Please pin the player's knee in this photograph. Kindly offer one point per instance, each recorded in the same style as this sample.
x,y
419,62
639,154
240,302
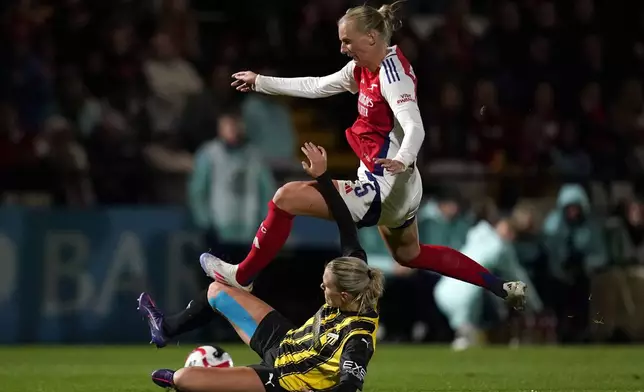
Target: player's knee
x,y
404,255
287,195
214,289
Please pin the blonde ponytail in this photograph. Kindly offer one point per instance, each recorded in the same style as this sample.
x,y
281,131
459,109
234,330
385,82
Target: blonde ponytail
x,y
354,276
368,298
383,20
391,20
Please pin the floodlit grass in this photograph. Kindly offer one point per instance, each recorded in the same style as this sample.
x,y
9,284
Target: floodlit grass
x,y
394,368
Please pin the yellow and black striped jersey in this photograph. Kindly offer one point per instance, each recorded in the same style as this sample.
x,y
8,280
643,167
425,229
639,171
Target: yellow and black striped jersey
x,y
330,348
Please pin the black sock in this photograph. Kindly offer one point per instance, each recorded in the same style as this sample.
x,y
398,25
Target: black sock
x,y
196,315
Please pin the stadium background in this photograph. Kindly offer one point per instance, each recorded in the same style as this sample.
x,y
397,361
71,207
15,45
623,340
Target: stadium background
x,y
105,106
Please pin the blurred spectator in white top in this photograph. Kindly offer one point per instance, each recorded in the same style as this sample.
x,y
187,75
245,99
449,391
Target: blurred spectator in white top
x,y
171,79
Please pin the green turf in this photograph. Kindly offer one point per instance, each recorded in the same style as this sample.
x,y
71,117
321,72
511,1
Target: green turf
x,y
394,368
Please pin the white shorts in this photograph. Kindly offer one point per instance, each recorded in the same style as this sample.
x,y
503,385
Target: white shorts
x,y
387,200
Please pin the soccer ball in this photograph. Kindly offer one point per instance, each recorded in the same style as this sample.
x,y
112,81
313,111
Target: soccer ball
x,y
209,356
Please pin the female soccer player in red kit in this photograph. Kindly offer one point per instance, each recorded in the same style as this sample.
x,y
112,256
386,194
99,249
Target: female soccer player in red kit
x,y
386,137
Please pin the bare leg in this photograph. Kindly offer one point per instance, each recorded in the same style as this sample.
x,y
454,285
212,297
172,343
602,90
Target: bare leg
x,y
301,198
403,244
243,310
236,379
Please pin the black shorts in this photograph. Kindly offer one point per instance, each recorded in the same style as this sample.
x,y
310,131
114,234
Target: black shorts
x,y
268,336
265,342
269,377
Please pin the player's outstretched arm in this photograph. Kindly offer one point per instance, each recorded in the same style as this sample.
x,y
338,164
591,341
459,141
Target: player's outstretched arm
x,y
305,87
316,168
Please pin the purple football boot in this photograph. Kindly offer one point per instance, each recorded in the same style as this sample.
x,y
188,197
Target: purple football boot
x,y
149,311
163,378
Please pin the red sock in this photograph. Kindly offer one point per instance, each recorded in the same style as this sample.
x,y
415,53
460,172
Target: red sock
x,y
450,262
270,238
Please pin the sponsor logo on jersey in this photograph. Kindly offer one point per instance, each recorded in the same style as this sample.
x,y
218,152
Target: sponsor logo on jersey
x,y
405,98
332,338
364,103
354,369
365,100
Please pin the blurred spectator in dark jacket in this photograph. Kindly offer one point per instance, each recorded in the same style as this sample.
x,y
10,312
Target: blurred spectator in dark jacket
x,y
539,65
116,162
625,233
199,118
450,45
448,129
584,18
58,147
576,250
590,64
606,149
20,167
569,159
541,127
16,147
28,85
180,22
492,125
169,165
120,62
75,30
508,36
626,111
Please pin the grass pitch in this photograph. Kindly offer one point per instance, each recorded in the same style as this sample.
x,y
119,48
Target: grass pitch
x,y
394,368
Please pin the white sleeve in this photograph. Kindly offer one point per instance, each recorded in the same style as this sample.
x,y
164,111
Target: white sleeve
x,y
399,89
310,87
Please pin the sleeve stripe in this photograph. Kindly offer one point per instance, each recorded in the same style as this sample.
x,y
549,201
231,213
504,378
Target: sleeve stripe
x,y
392,72
387,71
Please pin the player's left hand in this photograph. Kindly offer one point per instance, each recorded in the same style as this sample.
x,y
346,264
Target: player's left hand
x,y
317,158
391,165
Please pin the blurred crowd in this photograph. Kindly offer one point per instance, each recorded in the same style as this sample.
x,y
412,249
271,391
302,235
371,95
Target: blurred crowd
x,y
580,265
110,102
128,102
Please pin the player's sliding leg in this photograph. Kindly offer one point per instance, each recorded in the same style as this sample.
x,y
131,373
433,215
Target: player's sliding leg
x,y
298,198
243,310
200,379
406,249
200,313
256,323
163,328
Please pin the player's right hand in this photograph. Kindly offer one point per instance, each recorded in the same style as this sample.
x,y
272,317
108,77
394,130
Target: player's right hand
x,y
317,158
244,81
